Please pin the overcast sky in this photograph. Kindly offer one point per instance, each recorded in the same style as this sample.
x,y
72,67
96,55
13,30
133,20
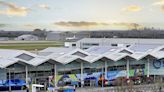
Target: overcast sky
x,y
80,14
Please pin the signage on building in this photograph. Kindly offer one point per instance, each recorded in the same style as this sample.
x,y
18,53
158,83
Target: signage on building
x,y
157,67
157,64
75,78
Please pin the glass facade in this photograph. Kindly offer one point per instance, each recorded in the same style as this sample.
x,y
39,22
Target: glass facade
x,y
91,71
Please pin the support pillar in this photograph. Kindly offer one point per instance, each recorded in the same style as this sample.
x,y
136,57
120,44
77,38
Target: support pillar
x,y
127,68
106,69
148,67
9,79
26,74
82,80
55,72
102,76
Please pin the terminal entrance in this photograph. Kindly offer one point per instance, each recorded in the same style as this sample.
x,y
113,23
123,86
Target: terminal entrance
x,y
90,83
42,81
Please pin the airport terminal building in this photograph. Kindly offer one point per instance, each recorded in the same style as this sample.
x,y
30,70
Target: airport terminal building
x,y
86,67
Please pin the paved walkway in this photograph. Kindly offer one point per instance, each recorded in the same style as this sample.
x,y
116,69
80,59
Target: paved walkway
x,y
139,88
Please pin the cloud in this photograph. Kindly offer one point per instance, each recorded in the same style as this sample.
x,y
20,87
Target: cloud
x,y
29,25
78,24
44,6
130,25
132,8
13,9
159,3
162,8
85,24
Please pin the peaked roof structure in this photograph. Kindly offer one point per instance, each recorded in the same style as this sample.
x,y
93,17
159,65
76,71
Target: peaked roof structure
x,y
67,55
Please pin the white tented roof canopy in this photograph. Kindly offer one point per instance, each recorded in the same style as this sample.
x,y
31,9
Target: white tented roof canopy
x,y
66,55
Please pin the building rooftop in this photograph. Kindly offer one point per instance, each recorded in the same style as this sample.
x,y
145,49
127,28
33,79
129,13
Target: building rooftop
x,y
68,55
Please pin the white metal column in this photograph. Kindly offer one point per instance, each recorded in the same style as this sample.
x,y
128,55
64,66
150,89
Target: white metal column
x,y
102,78
9,79
55,72
127,68
82,80
26,75
148,67
106,69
